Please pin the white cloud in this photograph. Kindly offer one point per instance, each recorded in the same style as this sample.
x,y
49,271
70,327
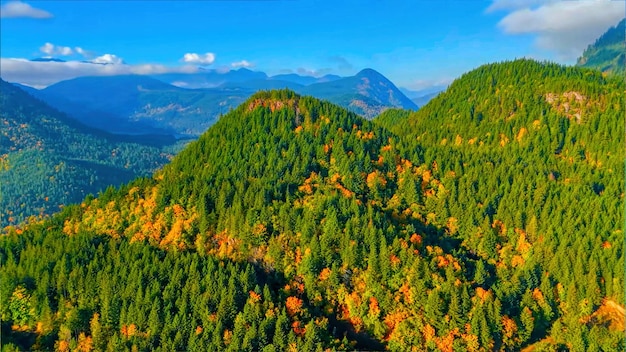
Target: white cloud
x,y
47,48
201,59
42,74
563,27
242,63
16,9
108,59
65,50
51,49
84,53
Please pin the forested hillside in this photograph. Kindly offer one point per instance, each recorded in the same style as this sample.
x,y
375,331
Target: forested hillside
x,y
532,157
491,219
48,160
607,53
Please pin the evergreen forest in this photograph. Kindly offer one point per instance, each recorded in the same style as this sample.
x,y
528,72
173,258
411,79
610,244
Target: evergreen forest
x,y
491,219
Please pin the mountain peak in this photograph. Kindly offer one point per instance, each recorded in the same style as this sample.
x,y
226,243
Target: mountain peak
x,y
369,73
367,93
274,99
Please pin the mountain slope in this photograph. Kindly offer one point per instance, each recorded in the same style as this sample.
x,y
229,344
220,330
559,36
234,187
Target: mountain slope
x,y
49,160
30,90
312,195
119,89
368,93
137,104
471,224
92,114
529,151
608,53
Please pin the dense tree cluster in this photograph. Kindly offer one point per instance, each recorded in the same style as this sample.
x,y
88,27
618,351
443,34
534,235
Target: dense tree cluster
x,y
90,292
488,220
532,154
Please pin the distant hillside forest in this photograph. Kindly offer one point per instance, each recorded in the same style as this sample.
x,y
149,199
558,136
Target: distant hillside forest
x,y
607,53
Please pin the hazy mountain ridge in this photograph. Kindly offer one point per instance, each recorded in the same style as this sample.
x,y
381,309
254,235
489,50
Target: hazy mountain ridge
x,y
136,104
304,80
211,78
368,93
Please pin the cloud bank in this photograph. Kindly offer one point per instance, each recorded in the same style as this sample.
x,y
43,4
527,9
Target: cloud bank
x,y
42,74
563,27
18,9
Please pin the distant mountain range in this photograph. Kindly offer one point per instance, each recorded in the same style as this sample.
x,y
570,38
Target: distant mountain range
x,y
304,80
208,78
423,96
368,93
134,104
607,53
187,104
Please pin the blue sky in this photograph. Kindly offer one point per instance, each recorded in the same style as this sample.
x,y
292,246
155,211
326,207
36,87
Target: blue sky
x,y
414,43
